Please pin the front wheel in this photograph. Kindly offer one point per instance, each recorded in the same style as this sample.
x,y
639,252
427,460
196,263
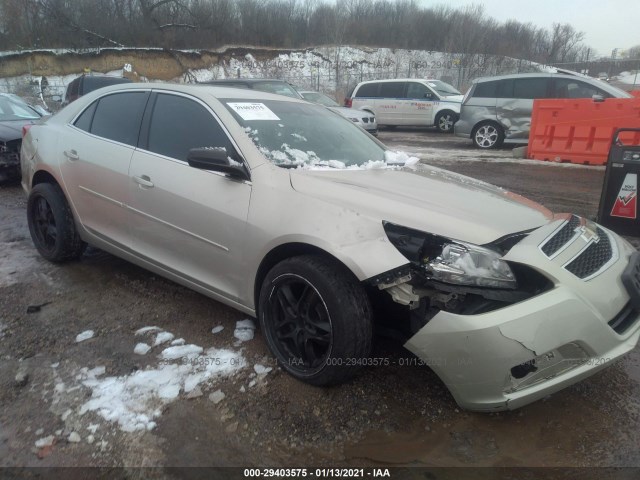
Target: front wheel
x,y
445,121
316,319
488,135
51,224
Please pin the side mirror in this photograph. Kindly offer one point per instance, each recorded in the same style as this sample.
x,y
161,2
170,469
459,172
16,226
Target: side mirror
x,y
217,159
597,98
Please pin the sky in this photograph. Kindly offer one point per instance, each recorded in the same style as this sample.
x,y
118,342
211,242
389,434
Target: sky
x,y
607,24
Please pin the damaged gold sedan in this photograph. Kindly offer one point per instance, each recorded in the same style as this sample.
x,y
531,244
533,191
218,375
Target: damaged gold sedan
x,y
290,213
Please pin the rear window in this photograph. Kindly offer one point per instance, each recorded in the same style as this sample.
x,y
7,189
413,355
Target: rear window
x,y
368,90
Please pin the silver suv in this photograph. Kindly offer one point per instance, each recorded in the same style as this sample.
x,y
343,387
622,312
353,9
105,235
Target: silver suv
x,y
497,110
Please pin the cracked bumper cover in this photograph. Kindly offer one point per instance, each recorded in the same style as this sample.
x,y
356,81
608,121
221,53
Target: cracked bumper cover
x,y
474,354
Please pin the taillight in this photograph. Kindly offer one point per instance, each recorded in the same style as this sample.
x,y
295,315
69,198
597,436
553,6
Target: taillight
x,y
25,129
348,102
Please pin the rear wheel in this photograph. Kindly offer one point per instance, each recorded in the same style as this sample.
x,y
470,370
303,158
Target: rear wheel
x,y
488,135
51,224
445,121
316,319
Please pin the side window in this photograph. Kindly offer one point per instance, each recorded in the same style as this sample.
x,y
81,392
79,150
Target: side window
x,y
179,124
392,89
368,90
569,88
486,90
505,89
530,88
83,122
118,117
416,90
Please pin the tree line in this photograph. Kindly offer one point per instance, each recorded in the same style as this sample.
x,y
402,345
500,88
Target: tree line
x,y
180,24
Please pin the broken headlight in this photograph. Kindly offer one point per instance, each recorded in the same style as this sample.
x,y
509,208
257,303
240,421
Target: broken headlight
x,y
450,261
467,264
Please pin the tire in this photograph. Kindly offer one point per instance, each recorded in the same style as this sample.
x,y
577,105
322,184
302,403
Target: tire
x,y
316,319
445,121
51,224
488,135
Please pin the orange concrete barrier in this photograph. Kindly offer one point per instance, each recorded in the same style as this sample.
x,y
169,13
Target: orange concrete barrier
x,y
635,93
580,130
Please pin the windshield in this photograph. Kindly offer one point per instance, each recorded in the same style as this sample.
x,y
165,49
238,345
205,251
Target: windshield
x,y
292,134
443,88
320,98
14,109
281,88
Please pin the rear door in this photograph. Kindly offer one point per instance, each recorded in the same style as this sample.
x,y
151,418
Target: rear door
x,y
479,104
95,155
515,103
186,220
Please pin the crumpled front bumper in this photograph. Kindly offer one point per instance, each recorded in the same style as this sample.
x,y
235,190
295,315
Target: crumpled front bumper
x,y
563,331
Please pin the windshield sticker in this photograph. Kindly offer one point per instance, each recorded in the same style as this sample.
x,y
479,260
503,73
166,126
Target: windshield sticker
x,y
253,111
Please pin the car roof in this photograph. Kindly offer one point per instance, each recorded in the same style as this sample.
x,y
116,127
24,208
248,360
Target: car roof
x,y
247,81
398,80
564,74
197,90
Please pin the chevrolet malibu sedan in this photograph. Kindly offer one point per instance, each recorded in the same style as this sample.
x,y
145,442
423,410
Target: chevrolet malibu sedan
x,y
293,214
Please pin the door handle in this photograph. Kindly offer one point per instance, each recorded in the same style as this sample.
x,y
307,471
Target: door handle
x,y
71,155
144,181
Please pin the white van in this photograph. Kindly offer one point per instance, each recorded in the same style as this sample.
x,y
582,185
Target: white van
x,y
408,101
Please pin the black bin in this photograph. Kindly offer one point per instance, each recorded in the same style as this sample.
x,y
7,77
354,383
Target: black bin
x,y
618,209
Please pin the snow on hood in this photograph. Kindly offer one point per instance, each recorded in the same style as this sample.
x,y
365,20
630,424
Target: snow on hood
x,y
425,198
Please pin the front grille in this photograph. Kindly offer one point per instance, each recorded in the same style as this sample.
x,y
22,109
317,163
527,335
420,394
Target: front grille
x,y
561,238
624,320
592,258
372,119
365,119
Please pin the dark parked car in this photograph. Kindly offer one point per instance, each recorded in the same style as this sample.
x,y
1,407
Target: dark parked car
x,y
279,87
14,115
88,83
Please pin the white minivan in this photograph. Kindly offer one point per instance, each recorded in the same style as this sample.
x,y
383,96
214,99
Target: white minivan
x,y
408,101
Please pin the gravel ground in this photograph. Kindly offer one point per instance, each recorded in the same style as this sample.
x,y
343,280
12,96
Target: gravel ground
x,y
395,415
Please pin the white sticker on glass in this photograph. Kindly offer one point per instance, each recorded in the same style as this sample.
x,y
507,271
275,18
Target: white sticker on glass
x,y
253,111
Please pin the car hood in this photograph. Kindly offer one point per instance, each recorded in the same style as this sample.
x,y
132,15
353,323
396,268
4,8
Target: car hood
x,y
426,198
12,129
453,98
350,112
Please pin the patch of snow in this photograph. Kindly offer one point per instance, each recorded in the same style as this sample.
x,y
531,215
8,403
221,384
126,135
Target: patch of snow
x,y
178,341
74,437
217,329
55,365
261,369
86,335
217,396
141,349
144,330
244,330
180,351
93,428
163,337
135,401
45,442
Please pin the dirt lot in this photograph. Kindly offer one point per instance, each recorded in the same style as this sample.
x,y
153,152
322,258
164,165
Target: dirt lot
x,y
396,415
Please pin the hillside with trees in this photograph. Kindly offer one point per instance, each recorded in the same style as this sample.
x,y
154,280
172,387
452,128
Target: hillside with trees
x,y
180,24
